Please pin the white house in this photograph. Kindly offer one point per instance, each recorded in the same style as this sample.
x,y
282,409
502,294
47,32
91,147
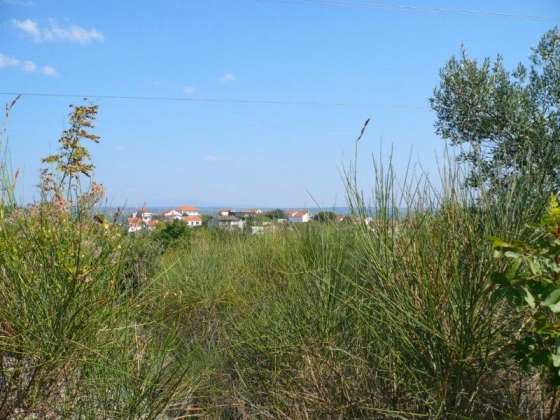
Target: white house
x,y
146,215
227,222
173,215
187,210
192,221
134,224
152,225
298,216
248,213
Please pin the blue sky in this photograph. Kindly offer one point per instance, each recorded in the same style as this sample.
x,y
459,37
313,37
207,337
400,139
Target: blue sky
x,y
352,60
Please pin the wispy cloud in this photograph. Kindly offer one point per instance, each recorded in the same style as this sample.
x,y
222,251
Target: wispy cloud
x,y
17,2
55,32
29,27
210,158
189,90
227,77
7,61
49,71
27,66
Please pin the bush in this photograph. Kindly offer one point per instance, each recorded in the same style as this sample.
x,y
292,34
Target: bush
x,y
275,214
174,233
73,340
325,216
530,282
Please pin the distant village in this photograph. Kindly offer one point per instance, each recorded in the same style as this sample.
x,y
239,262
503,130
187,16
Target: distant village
x,y
253,220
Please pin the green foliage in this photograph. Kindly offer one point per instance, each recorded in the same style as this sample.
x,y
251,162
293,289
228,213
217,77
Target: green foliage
x,y
531,284
140,261
275,214
74,340
353,321
73,159
7,179
172,234
325,216
509,122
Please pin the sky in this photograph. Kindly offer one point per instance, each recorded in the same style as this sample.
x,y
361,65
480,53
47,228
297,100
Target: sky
x,y
264,97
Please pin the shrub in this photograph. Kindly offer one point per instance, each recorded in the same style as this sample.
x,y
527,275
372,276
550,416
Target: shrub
x,y
172,234
530,282
325,216
73,341
275,214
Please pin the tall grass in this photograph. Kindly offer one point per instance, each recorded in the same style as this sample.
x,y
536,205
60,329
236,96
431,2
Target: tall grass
x,y
7,178
390,319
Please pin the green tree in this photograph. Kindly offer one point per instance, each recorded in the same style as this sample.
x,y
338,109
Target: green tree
x,y
507,122
325,216
172,233
275,214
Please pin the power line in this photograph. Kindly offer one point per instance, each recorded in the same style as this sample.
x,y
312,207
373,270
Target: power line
x,y
372,5
213,100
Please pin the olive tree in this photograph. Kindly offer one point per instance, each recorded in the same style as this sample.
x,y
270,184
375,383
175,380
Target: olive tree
x,y
506,123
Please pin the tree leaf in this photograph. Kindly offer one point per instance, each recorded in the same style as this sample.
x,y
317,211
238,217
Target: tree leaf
x,y
529,298
552,301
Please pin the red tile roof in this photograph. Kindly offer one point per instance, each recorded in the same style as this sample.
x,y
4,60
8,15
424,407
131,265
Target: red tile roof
x,y
170,212
192,219
297,213
186,207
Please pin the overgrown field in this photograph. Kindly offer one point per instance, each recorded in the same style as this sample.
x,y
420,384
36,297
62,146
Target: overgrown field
x,y
344,320
394,319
